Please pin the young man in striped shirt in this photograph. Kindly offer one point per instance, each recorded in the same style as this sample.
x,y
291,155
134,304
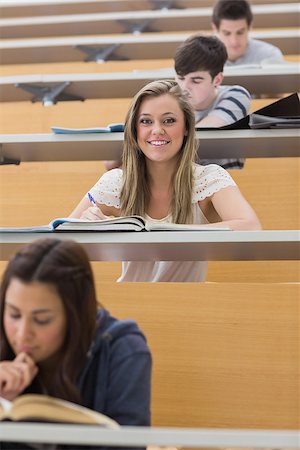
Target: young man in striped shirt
x,y
199,63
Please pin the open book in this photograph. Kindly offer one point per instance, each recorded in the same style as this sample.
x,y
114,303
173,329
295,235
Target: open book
x,y
125,223
111,128
35,407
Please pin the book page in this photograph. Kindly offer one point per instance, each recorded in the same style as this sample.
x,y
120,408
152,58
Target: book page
x,y
5,406
130,223
50,409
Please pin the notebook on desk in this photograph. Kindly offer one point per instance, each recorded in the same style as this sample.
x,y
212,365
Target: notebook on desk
x,y
111,128
123,223
286,107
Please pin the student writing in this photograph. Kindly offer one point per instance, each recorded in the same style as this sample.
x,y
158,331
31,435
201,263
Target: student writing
x,y
55,340
160,181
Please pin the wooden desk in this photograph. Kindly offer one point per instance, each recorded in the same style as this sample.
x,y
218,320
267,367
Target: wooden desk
x,y
172,246
129,46
283,14
220,144
271,79
140,436
17,8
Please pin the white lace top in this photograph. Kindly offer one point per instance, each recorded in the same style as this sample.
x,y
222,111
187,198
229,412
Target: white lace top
x,y
208,180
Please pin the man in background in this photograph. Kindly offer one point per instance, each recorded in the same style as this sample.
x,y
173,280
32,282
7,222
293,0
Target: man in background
x,y
199,63
232,21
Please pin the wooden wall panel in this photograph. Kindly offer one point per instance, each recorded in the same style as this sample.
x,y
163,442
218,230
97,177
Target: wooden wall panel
x,y
224,355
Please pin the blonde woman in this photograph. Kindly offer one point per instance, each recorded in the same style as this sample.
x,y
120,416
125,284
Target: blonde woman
x,y
160,181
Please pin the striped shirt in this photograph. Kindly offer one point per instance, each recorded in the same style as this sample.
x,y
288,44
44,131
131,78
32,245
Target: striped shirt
x,y
231,105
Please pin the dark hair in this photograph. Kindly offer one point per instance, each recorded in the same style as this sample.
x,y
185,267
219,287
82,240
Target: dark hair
x,y
231,10
64,265
199,52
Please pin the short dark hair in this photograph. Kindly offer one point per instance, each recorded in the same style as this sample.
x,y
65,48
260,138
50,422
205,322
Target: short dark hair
x,y
231,10
200,52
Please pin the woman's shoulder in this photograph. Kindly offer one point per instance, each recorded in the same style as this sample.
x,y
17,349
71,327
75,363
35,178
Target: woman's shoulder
x,y
112,176
108,188
124,333
212,171
209,180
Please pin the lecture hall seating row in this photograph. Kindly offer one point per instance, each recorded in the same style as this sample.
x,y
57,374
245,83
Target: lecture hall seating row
x,y
120,47
15,8
244,143
270,79
45,115
235,363
189,19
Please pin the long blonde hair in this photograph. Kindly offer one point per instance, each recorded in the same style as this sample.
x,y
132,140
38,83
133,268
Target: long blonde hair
x,y
135,192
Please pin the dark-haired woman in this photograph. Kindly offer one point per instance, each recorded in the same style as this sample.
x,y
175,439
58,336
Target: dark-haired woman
x,y
56,340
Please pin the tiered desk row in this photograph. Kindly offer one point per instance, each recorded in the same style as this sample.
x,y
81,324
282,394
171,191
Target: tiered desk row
x,y
82,86
191,19
102,146
120,47
23,8
226,369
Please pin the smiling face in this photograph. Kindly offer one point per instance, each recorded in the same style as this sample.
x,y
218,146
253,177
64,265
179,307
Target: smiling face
x,y
160,128
234,34
199,88
34,319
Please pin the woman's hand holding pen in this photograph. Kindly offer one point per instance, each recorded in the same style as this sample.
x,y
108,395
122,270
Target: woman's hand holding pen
x,y
16,375
93,212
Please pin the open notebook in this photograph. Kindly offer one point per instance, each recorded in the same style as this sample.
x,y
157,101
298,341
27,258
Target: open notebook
x,y
125,223
111,128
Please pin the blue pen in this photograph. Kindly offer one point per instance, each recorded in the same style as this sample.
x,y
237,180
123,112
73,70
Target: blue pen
x,y
91,199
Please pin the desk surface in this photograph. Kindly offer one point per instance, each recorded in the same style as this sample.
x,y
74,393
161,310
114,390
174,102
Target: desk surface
x,y
171,246
129,46
189,19
271,79
140,436
22,8
102,146
19,8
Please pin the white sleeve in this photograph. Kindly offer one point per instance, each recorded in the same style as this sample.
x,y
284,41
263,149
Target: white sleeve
x,y
107,190
274,56
208,180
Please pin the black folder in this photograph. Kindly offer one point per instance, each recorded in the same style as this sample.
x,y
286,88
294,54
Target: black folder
x,y
285,111
287,108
